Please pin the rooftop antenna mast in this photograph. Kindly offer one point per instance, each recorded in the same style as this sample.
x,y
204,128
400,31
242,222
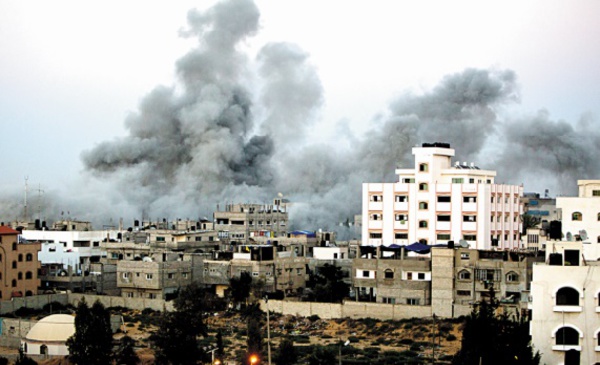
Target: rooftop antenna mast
x,y
40,192
25,215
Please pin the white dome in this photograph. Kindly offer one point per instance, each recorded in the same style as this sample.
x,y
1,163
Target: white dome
x,y
54,328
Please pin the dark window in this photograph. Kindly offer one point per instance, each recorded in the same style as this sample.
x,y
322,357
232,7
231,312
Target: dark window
x,y
389,274
401,236
443,199
567,336
14,264
20,276
567,296
28,275
443,218
29,257
20,257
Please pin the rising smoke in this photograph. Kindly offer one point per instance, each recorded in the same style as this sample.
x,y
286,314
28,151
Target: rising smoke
x,y
224,134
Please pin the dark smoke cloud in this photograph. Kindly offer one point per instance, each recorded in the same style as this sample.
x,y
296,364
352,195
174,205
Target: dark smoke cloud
x,y
224,134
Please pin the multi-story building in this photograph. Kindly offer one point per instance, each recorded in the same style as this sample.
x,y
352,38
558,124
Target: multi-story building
x,y
437,202
18,265
239,222
565,291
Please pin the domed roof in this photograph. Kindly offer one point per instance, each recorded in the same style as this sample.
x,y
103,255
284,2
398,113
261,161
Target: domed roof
x,y
54,328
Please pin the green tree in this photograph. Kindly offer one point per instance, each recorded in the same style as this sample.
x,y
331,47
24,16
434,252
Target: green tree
x,y
322,356
240,288
192,302
529,221
125,353
494,339
91,344
328,284
286,352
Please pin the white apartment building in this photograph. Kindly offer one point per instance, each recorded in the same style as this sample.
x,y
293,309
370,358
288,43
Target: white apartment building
x,y
76,249
581,217
436,202
565,303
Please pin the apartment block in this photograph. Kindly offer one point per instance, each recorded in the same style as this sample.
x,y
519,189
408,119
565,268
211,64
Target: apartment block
x,y
438,202
19,265
239,222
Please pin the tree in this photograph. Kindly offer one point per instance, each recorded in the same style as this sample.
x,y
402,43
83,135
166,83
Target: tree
x,y
254,339
220,353
494,339
322,356
125,353
21,360
240,288
529,221
286,353
91,344
176,341
328,285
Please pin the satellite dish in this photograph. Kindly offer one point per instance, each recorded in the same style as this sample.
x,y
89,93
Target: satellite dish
x,y
583,235
280,195
463,243
569,236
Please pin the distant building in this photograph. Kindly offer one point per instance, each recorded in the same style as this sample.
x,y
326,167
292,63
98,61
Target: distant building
x,y
240,222
19,265
437,202
49,336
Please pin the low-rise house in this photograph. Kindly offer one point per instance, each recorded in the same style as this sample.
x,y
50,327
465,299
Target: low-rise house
x,y
19,265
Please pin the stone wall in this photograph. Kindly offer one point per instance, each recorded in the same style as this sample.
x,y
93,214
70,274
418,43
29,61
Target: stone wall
x,y
36,302
131,303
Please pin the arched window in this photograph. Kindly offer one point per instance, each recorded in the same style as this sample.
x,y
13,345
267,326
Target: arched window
x,y
512,277
20,257
14,245
29,257
14,265
567,336
422,224
423,187
423,167
567,296
20,276
28,293
464,275
28,275
576,216
43,350
423,205
14,283
388,274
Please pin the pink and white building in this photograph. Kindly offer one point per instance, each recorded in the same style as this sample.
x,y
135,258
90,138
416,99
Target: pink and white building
x,y
437,202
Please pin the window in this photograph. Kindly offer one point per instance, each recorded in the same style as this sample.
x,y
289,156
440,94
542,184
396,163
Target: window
x,y
401,217
567,336
463,292
388,274
464,275
148,276
421,276
401,198
170,276
512,277
28,275
29,257
423,167
14,283
375,235
595,192
20,257
423,205
401,236
464,255
376,216
14,264
422,224
407,180
375,198
469,199
423,187
20,276
443,237
443,218
184,275
470,237
151,295
469,218
388,300
457,180
125,275
576,216
409,276
412,301
299,271
471,181
443,199
14,246
160,239
365,274
567,296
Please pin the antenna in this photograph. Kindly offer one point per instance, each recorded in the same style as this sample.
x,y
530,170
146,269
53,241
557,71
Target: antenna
x,y
25,215
40,192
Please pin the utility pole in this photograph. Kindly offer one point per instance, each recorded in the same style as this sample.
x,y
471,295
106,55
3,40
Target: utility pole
x,y
433,342
268,331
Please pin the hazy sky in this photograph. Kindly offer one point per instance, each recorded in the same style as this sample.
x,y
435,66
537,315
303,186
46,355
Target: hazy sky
x,y
72,71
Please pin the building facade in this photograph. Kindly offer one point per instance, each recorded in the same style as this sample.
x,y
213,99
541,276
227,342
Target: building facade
x,y
19,265
437,202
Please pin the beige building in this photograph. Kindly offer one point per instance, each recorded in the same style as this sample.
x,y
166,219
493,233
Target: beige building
x,y
19,265
239,222
49,336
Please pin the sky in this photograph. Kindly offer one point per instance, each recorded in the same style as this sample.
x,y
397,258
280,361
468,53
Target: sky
x,y
74,78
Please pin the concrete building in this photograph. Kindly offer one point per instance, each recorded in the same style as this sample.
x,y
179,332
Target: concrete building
x,y
581,217
19,265
239,222
437,202
565,293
